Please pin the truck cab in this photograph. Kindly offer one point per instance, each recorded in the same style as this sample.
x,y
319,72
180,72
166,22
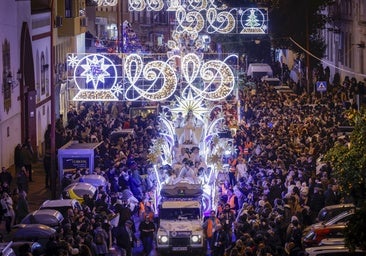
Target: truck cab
x,y
180,220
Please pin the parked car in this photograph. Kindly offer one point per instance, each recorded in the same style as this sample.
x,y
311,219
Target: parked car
x,y
343,217
331,211
48,217
6,250
94,179
32,233
316,235
77,191
35,247
61,205
332,241
333,250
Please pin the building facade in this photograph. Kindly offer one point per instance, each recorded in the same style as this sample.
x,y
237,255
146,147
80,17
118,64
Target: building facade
x,y
345,37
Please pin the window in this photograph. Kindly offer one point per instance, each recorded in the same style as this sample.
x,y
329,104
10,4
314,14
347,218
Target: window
x,y
43,74
6,87
68,8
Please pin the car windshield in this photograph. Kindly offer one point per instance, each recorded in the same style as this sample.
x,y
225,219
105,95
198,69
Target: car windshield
x,y
343,217
179,214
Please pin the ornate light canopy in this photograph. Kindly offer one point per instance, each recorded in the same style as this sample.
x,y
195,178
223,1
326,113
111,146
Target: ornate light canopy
x,y
195,16
112,77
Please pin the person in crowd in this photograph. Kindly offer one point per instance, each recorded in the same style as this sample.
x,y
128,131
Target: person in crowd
x,y
8,211
189,125
124,237
179,120
220,241
22,208
147,229
28,156
5,177
332,195
316,202
22,179
18,158
135,181
210,226
227,218
100,237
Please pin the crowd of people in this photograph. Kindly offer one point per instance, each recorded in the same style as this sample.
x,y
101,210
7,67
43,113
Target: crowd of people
x,y
274,188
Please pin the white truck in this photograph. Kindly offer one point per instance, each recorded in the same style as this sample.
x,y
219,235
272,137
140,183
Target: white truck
x,y
180,220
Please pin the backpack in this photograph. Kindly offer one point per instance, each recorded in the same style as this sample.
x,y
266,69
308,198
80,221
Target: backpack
x,y
99,238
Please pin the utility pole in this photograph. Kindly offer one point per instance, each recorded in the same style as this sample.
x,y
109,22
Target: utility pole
x,y
308,77
119,8
53,169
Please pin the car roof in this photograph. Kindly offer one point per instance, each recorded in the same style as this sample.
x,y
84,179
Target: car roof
x,y
339,206
328,248
49,217
332,241
58,203
27,231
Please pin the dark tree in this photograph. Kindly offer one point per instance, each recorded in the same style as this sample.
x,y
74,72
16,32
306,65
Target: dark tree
x,y
292,23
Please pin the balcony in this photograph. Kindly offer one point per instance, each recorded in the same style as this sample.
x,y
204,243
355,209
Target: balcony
x,y
73,26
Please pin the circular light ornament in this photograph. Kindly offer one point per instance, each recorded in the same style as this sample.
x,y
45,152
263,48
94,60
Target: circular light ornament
x,y
94,76
136,5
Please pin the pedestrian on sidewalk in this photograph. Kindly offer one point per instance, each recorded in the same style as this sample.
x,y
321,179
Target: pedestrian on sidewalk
x,y
22,179
22,208
28,156
7,206
5,177
18,158
147,230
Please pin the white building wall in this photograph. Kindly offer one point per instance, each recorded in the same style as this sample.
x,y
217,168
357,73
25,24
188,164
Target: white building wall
x,y
41,34
346,39
13,14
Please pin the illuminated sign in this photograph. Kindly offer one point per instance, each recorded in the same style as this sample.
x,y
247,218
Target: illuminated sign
x,y
253,21
71,163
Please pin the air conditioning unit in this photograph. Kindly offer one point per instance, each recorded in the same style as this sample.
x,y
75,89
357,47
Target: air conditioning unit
x,y
83,22
58,21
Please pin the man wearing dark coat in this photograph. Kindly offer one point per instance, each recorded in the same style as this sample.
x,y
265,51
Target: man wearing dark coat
x,y
5,176
18,158
125,237
27,155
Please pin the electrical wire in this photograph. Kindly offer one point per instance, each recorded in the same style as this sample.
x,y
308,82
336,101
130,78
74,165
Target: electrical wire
x,y
326,62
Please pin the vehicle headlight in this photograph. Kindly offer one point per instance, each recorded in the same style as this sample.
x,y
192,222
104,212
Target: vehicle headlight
x,y
196,238
163,239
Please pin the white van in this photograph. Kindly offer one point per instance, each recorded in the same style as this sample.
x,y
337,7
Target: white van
x,y
259,70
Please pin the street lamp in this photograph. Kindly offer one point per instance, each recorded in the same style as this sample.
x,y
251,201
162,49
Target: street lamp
x,y
11,82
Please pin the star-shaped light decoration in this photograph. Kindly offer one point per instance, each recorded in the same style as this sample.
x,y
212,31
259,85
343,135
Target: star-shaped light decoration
x,y
213,159
95,70
154,152
117,89
216,161
72,60
190,103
